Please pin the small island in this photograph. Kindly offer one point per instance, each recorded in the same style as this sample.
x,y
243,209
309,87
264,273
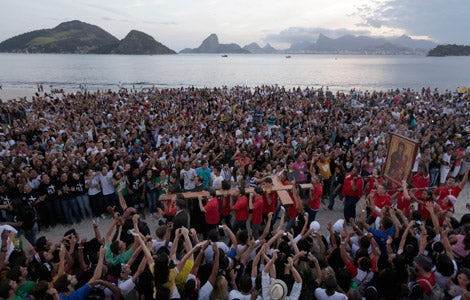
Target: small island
x,y
450,50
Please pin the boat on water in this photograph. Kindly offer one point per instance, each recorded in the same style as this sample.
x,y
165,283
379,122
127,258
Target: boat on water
x,y
225,55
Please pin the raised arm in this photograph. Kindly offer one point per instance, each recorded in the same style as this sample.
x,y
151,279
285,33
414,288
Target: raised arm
x,y
464,179
267,227
435,222
271,262
148,255
401,246
215,266
109,233
139,270
201,206
231,235
99,268
199,257
189,254
97,232
122,201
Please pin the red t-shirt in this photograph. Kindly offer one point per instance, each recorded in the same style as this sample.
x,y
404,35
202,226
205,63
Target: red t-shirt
x,y
257,213
212,215
241,208
316,192
403,204
420,181
267,208
421,280
380,201
347,190
371,183
169,209
225,209
444,191
422,209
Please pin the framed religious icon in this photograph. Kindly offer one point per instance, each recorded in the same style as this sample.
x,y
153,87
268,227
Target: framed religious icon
x,y
401,157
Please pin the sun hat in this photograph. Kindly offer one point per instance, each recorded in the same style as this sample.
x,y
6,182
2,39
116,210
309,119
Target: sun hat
x,y
278,290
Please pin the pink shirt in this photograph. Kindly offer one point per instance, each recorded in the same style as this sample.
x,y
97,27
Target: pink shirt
x,y
459,247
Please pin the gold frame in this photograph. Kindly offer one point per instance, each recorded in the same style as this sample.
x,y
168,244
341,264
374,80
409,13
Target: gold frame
x,y
401,157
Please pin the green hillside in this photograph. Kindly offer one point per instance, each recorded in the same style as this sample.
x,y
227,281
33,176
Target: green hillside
x,y
80,37
450,50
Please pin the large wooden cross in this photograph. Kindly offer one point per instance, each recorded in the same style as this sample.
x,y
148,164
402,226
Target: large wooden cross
x,y
277,187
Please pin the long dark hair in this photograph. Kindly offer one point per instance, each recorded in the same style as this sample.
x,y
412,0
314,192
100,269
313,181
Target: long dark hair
x,y
161,269
161,275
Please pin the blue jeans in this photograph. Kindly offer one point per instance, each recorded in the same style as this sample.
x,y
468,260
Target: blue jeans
x,y
332,198
434,175
84,204
30,234
152,200
67,205
350,207
237,225
55,211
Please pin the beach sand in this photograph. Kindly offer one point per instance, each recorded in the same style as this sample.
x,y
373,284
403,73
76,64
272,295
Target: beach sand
x,y
7,94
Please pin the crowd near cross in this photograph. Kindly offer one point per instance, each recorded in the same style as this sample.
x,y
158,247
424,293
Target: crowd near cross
x,y
236,178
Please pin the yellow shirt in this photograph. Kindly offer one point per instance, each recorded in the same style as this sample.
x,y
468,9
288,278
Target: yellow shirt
x,y
324,169
170,284
183,275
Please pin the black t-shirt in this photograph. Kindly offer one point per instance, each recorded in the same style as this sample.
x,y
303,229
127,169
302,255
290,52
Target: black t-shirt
x,y
49,190
28,215
30,198
78,186
129,238
135,184
66,189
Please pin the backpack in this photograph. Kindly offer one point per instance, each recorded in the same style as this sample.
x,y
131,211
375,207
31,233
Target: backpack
x,y
436,291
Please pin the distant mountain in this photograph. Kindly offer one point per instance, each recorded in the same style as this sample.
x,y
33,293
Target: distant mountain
x,y
79,37
255,48
350,44
137,42
450,50
211,45
408,42
68,37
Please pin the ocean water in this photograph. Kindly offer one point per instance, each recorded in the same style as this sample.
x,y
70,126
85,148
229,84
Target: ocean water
x,y
338,72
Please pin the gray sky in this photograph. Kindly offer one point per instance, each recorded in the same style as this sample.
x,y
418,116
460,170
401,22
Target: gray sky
x,y
185,23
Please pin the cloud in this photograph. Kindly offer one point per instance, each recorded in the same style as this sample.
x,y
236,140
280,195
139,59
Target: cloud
x,y
302,34
159,23
445,21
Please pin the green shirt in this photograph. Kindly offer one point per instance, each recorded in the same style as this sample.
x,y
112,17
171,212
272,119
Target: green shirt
x,y
25,289
118,259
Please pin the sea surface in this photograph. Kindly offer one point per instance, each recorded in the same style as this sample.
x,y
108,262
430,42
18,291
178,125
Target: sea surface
x,y
338,72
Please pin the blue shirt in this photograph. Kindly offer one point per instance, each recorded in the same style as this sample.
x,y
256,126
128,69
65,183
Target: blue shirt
x,y
381,237
79,294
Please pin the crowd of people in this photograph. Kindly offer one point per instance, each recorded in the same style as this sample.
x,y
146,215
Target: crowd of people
x,y
129,155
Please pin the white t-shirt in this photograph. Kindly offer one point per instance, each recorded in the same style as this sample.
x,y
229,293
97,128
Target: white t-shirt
x,y
217,181
158,244
234,294
209,253
320,294
205,290
126,286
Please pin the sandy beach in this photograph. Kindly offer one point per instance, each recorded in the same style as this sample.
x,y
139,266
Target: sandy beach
x,y
9,93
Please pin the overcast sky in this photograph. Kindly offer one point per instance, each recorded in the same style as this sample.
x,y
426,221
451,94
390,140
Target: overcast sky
x,y
185,23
